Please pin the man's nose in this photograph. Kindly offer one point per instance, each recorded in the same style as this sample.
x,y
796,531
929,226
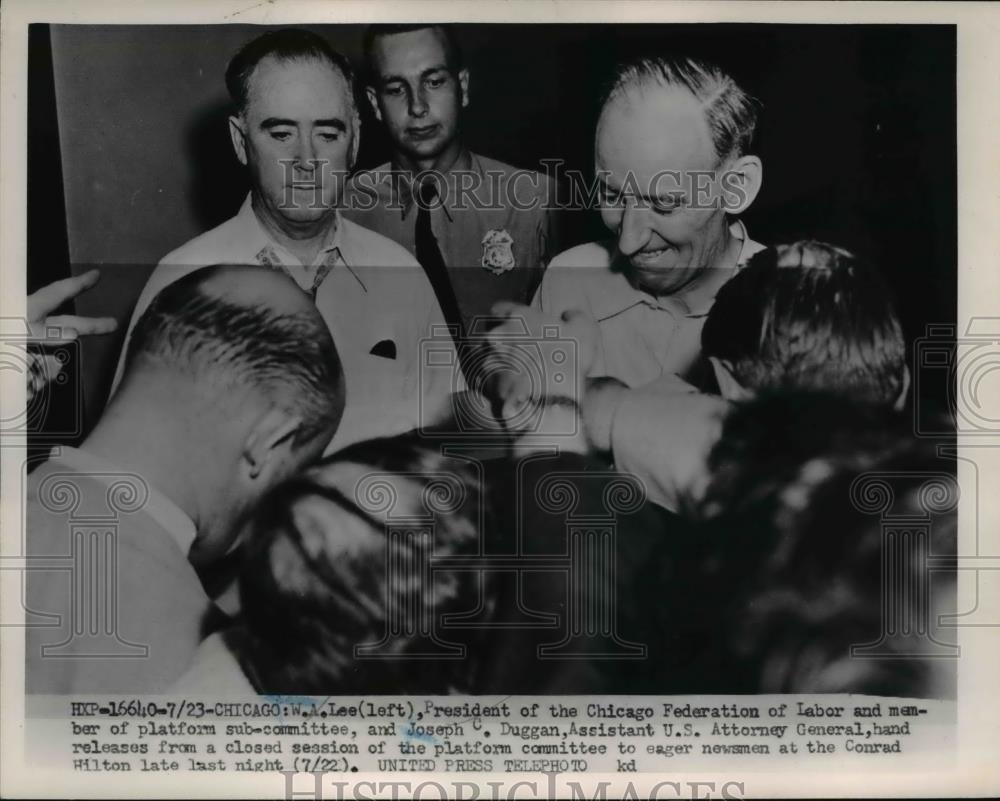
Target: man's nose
x,y
418,103
633,230
305,157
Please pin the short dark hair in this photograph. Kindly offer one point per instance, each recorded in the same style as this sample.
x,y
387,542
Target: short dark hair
x,y
316,584
452,47
289,358
284,44
809,315
730,112
791,525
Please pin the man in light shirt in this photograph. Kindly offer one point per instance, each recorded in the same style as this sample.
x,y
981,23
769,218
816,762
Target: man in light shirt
x,y
296,128
231,384
672,157
805,317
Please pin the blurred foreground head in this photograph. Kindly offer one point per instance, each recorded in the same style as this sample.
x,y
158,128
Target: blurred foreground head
x,y
812,499
339,593
807,315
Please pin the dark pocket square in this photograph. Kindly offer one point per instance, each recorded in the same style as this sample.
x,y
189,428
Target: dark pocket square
x,y
385,348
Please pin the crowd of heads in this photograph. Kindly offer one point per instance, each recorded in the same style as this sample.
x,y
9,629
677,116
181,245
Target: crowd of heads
x,y
772,572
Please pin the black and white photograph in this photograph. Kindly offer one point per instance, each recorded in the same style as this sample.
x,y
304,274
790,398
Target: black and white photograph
x,y
429,395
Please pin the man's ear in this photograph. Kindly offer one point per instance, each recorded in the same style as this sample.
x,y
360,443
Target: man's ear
x,y
741,182
270,443
900,403
355,139
238,134
463,82
729,387
373,100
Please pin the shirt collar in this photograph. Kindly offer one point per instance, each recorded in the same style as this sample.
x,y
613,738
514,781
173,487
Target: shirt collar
x,y
402,191
158,506
269,253
621,295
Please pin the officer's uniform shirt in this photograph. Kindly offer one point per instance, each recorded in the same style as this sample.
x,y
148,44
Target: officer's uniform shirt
x,y
494,225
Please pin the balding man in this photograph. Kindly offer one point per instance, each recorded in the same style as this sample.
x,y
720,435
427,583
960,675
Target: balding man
x,y
672,156
295,126
231,383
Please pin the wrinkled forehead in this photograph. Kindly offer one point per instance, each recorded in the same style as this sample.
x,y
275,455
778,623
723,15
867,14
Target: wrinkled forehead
x,y
648,130
295,87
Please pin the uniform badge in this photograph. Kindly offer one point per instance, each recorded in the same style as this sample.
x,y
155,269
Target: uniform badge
x,y
498,255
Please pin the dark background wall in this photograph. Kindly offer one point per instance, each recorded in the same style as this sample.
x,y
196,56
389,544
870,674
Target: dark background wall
x,y
857,137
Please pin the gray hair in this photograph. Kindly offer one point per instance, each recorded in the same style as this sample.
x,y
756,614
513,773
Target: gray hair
x,y
730,112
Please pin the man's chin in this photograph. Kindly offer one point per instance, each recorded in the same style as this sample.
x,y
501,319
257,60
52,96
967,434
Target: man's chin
x,y
306,214
658,280
430,149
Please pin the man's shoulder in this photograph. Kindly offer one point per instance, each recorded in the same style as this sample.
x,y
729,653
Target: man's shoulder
x,y
382,169
56,491
580,277
502,167
56,487
597,255
215,245
377,179
369,248
527,180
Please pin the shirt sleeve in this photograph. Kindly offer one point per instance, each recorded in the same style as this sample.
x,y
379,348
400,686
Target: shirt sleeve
x,y
543,300
662,434
559,289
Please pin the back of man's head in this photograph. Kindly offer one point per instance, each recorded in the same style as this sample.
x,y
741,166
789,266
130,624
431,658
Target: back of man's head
x,y
234,331
809,315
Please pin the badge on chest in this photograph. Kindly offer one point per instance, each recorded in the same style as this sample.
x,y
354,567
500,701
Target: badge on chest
x,y
498,251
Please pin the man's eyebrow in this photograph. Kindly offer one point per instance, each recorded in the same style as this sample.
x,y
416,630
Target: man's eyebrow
x,y
432,70
386,79
274,122
672,196
330,122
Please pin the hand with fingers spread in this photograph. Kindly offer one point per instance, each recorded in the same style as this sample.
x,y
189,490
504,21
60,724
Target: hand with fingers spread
x,y
50,330
44,329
